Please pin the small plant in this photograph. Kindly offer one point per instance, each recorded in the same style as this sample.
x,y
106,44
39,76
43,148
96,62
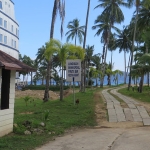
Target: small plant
x,y
46,115
26,99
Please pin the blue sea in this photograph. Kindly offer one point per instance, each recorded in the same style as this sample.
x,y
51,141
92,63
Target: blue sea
x,y
120,81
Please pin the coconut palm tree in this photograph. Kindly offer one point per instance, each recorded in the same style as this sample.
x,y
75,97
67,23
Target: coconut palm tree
x,y
114,14
116,74
40,54
88,56
103,26
63,51
84,43
137,4
75,31
59,5
124,44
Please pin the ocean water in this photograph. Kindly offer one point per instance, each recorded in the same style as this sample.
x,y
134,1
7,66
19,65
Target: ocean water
x,y
120,81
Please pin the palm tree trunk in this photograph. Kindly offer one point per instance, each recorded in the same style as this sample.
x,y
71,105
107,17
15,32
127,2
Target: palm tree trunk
x,y
82,76
84,41
111,66
46,94
75,40
107,42
141,83
31,78
61,86
129,84
148,79
53,19
125,73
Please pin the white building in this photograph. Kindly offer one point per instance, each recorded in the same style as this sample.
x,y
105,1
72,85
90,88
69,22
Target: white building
x,y
9,43
9,29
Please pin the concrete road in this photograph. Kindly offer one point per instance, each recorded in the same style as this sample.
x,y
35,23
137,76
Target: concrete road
x,y
103,139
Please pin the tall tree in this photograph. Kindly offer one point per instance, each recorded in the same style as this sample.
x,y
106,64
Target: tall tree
x,y
137,4
59,5
88,57
83,77
103,28
75,31
124,44
113,12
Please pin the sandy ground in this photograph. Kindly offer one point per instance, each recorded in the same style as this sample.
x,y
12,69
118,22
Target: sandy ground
x,y
40,94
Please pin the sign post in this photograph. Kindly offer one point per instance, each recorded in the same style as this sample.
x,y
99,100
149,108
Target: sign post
x,y
73,72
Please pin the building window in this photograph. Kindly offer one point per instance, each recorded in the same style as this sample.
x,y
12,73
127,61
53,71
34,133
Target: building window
x,y
5,24
14,44
12,28
18,33
5,39
1,22
1,38
1,5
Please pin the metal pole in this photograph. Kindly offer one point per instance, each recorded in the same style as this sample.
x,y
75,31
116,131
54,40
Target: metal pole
x,y
73,92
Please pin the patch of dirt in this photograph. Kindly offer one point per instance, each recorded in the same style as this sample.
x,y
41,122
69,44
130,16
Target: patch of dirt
x,y
28,113
100,108
40,94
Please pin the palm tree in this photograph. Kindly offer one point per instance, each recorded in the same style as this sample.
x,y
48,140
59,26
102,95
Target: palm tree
x,y
103,26
116,73
88,56
51,48
137,3
40,54
75,31
84,43
123,42
114,14
59,5
63,51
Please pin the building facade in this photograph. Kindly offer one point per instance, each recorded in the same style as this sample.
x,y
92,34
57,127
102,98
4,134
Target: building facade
x,y
9,29
9,43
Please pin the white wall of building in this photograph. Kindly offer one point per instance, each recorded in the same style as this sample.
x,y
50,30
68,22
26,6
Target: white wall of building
x,y
7,115
11,30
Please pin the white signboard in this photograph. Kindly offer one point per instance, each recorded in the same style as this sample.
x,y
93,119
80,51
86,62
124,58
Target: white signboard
x,y
73,70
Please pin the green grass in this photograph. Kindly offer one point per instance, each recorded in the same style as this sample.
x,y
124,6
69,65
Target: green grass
x,y
144,96
62,115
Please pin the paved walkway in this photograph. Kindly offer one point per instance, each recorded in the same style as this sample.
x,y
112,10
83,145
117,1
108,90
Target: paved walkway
x,y
102,139
133,112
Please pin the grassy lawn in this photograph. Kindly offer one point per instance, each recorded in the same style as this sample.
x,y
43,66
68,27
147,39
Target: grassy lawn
x,y
144,96
57,115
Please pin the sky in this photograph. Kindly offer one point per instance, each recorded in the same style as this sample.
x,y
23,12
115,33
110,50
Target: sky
x,y
34,19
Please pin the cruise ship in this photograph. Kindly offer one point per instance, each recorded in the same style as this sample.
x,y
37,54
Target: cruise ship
x,y
9,29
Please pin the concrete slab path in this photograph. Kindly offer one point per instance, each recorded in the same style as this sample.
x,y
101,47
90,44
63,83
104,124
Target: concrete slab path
x,y
134,111
102,139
